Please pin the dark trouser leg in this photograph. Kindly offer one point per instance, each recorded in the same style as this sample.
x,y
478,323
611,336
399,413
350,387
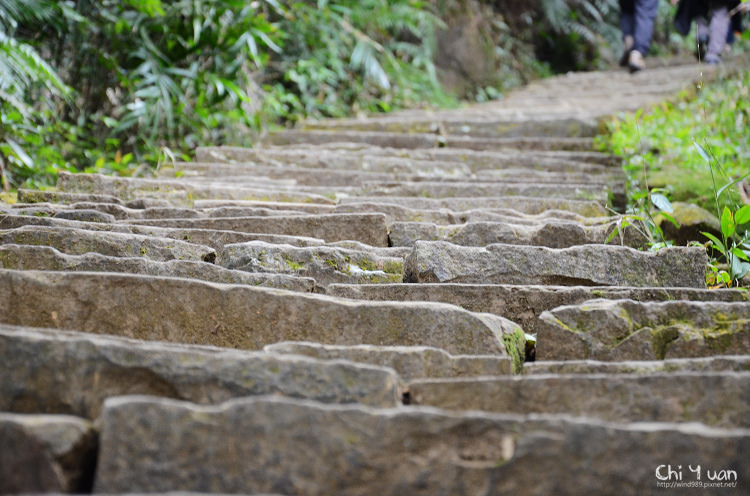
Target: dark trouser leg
x,y
645,14
627,17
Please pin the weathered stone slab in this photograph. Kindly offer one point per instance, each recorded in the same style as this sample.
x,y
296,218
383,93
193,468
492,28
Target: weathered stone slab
x,y
461,125
27,257
120,212
427,140
587,265
156,445
737,363
82,370
587,208
455,189
360,175
521,303
235,316
302,175
380,251
366,228
80,241
401,160
46,454
518,174
34,196
207,237
444,216
410,362
557,234
176,191
714,398
308,208
325,264
629,330
85,216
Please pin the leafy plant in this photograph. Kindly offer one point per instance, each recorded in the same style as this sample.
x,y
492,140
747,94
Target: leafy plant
x,y
734,247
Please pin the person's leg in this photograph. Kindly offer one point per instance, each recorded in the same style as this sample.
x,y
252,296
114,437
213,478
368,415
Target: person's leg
x,y
627,26
717,34
645,15
627,18
701,37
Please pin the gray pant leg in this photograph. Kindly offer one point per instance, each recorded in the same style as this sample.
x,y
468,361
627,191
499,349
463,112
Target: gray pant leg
x,y
718,30
645,14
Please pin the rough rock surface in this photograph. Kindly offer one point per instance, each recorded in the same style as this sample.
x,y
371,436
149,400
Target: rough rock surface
x,y
325,264
365,228
555,234
524,303
178,192
409,362
586,265
613,397
629,330
82,370
46,454
81,241
237,316
26,257
155,445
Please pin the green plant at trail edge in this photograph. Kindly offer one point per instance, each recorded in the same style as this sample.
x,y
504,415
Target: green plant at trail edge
x,y
639,217
734,247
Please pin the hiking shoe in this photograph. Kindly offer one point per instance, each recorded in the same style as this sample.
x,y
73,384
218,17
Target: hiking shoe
x,y
628,41
712,60
635,61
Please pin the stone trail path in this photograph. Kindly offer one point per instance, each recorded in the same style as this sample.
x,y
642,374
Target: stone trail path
x,y
349,310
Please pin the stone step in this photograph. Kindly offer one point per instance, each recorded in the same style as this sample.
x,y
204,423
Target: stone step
x,y
46,454
82,370
356,177
239,317
29,257
523,304
427,140
308,448
366,228
487,127
176,191
720,399
525,205
456,189
325,264
443,216
554,234
586,265
35,196
208,237
410,362
629,330
423,161
74,241
235,206
736,363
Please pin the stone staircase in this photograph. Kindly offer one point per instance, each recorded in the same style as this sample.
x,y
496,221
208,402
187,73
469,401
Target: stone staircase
x,y
349,310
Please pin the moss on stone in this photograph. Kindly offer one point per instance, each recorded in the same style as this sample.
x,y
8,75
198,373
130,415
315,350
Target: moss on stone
x,y
515,346
662,338
293,265
367,264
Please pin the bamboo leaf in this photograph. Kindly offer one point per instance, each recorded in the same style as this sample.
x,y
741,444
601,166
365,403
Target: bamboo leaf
x,y
717,244
702,152
727,223
742,216
662,202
